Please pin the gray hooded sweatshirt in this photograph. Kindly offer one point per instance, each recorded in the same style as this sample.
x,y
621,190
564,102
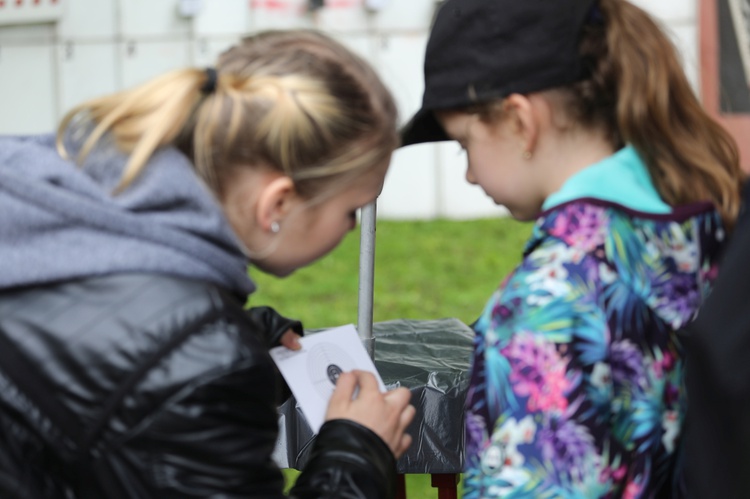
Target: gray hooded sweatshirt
x,y
59,221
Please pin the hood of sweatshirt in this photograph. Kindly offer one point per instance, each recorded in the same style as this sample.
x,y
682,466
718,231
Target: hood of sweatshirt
x,y
60,221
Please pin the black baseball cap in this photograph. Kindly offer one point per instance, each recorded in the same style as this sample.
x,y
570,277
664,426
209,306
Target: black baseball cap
x,y
482,50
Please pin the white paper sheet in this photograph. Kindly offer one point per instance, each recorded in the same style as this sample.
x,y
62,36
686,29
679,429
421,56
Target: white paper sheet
x,y
311,372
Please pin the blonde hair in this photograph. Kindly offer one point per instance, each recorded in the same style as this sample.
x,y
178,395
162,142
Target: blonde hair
x,y
294,101
638,94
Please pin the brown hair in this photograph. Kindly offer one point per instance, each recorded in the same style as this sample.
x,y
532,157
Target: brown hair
x,y
294,101
638,94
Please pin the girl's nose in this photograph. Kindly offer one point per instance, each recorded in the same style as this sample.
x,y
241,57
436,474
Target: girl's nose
x,y
470,177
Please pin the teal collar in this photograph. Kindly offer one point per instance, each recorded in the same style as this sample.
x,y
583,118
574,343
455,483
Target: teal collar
x,y
621,179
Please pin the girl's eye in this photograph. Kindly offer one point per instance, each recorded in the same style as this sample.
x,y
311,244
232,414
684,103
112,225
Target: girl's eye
x,y
353,215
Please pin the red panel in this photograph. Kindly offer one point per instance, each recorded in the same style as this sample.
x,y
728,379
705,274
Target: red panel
x,y
400,487
447,485
342,4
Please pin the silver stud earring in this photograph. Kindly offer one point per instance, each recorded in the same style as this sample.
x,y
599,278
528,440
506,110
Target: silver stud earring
x,y
275,228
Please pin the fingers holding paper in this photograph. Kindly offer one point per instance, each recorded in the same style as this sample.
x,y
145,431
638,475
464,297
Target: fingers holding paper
x,y
290,340
386,414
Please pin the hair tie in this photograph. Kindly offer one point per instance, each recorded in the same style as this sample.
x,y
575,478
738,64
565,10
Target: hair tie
x,y
212,77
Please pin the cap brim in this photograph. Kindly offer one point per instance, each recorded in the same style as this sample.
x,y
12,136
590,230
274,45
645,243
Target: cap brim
x,y
423,127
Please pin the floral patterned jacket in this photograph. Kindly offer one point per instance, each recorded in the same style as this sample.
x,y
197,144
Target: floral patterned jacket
x,y
577,386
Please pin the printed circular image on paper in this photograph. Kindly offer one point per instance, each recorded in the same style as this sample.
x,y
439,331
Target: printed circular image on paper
x,y
325,363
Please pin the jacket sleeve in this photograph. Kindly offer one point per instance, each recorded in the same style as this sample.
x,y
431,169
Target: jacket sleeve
x,y
272,327
213,438
347,460
215,435
273,324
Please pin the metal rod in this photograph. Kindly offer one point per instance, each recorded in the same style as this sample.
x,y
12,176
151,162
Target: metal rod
x,y
367,276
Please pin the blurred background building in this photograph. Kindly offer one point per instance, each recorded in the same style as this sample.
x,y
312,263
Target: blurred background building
x,y
56,53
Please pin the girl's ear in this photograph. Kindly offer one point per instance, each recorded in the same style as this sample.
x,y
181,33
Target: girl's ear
x,y
275,202
525,120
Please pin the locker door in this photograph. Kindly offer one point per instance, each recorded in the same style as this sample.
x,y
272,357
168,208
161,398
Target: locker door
x,y
86,70
27,88
142,60
279,14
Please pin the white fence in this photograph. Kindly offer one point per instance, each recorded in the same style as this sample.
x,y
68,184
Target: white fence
x,y
55,53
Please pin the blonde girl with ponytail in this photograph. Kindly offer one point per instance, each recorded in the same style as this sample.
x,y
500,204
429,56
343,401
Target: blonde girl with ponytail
x,y
129,365
577,114
293,107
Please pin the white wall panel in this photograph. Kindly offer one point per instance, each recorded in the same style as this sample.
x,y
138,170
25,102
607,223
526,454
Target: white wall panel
x,y
30,11
669,10
27,89
207,50
410,191
344,16
84,19
103,45
152,18
458,198
86,71
223,17
144,60
685,37
412,15
400,60
29,34
279,14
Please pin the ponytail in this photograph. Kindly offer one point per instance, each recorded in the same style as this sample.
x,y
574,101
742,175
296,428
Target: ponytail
x,y
141,120
639,92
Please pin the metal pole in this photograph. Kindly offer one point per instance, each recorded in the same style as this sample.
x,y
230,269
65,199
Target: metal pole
x,y
367,276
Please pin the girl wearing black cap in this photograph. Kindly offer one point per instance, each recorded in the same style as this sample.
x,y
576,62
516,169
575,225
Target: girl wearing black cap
x,y
576,113
129,367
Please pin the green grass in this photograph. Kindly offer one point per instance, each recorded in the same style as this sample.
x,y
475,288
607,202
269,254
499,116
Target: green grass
x,y
417,486
423,270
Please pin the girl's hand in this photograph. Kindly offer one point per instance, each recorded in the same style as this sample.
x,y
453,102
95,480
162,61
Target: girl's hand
x,y
290,339
386,414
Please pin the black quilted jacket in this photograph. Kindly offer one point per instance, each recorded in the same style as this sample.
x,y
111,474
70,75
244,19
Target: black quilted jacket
x,y
142,385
